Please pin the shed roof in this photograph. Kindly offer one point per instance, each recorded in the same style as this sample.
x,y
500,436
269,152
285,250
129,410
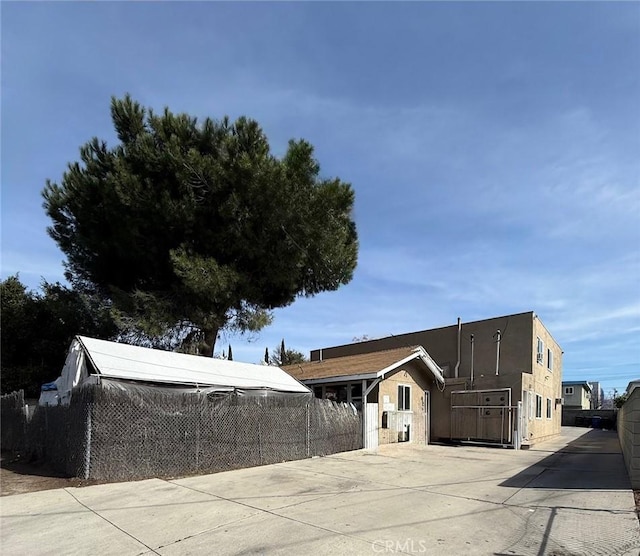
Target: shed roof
x,y
364,365
127,362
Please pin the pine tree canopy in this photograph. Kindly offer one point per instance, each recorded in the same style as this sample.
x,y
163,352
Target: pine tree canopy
x,y
197,226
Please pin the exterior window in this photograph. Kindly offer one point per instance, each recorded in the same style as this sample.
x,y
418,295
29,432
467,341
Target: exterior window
x,y
540,352
549,360
568,390
538,406
404,398
548,408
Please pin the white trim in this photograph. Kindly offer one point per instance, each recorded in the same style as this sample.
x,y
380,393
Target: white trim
x,y
438,373
540,397
540,351
404,409
337,379
394,366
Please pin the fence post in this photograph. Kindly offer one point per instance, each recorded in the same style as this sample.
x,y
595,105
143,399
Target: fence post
x,y
87,438
23,445
199,419
308,406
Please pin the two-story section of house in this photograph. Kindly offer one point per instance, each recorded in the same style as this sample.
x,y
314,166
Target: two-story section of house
x,y
515,354
577,394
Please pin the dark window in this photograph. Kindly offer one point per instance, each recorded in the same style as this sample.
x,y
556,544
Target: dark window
x,y
342,393
404,398
538,406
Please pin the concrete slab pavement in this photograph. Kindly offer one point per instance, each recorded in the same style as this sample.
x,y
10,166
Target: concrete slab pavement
x,y
567,496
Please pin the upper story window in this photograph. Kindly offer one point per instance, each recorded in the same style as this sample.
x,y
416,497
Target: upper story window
x,y
549,359
404,397
568,390
540,352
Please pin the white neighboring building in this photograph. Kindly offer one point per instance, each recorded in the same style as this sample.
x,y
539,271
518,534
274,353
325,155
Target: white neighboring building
x,y
597,395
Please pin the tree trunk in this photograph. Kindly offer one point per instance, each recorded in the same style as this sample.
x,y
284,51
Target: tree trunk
x,y
207,346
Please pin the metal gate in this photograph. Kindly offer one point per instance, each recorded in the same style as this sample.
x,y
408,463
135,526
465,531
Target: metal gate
x,y
483,416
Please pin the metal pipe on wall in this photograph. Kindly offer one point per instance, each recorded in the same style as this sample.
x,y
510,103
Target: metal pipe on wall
x,y
472,346
459,335
497,352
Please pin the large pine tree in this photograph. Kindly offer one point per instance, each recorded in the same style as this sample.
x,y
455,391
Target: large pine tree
x,y
196,226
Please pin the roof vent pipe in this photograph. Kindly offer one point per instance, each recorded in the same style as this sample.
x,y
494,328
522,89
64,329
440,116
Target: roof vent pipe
x,y
472,361
459,335
497,351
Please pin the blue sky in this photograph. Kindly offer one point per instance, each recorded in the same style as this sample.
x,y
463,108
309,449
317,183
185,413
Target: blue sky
x,y
493,148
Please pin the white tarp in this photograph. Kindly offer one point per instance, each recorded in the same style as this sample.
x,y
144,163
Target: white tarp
x,y
111,360
73,372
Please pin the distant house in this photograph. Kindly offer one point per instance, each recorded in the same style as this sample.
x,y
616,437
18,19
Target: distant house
x,y
577,394
507,361
393,389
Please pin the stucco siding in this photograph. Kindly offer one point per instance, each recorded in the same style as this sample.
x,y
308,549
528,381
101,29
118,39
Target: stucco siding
x,y
441,409
518,366
407,375
540,427
442,345
515,346
629,435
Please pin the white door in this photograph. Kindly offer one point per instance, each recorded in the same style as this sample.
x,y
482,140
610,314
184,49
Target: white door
x,y
525,416
371,426
404,420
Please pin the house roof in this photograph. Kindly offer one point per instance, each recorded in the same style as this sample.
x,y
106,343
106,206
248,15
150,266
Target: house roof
x,y
126,362
582,383
361,366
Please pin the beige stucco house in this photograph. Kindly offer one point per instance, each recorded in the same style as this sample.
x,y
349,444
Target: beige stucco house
x,y
508,361
577,394
392,388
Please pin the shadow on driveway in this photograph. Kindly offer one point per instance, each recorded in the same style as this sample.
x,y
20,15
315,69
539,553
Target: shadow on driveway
x,y
593,461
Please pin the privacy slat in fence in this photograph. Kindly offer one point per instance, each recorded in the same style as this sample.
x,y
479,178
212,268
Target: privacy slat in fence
x,y
118,435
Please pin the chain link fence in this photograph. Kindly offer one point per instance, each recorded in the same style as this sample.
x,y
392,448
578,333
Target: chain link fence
x,y
13,421
109,434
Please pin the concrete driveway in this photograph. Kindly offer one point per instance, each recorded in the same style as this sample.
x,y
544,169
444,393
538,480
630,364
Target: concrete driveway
x,y
568,496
